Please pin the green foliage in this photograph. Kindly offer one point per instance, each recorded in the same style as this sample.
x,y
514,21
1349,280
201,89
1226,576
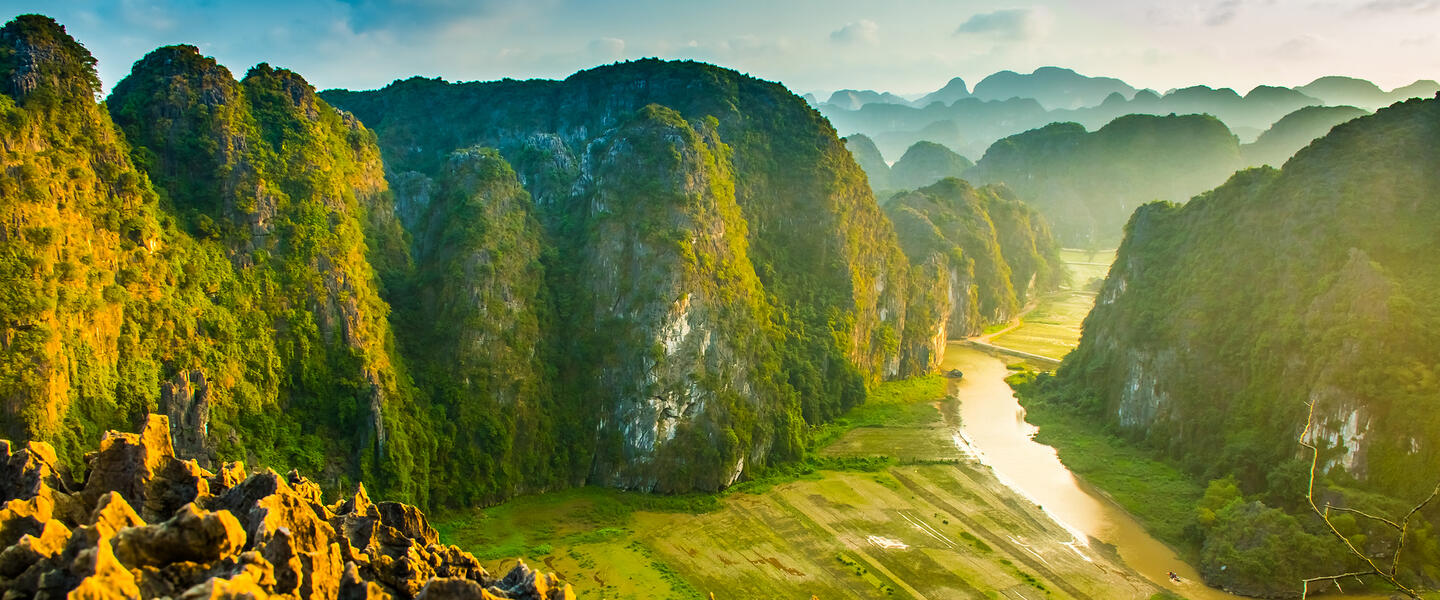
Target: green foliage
x,y
658,290
925,163
1230,314
982,242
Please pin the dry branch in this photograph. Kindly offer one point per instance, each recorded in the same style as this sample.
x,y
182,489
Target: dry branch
x,y
1402,527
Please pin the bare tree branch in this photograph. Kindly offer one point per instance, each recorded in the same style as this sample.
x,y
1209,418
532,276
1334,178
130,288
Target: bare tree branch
x,y
1333,579
1329,507
1403,526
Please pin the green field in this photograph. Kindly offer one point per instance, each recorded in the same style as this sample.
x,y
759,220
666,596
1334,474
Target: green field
x,y
1052,329
920,523
1086,266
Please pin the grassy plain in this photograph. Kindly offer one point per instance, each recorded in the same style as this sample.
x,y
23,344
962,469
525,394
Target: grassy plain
x,y
923,522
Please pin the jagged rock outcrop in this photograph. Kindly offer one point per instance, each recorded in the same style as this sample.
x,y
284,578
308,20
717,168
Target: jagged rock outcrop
x,y
186,401
258,537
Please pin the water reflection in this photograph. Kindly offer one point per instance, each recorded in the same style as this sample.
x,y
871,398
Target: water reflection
x,y
995,431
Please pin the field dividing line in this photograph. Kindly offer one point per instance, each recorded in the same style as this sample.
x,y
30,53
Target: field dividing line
x,y
989,536
920,524
856,548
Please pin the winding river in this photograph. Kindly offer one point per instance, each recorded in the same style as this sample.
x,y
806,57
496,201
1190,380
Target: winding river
x,y
994,424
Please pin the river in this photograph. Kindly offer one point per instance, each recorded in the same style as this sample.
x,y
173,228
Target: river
x,y
994,424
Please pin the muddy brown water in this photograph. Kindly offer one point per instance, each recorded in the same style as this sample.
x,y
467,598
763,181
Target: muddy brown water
x,y
993,424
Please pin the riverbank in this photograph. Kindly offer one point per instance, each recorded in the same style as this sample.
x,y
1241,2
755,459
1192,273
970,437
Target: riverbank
x,y
927,521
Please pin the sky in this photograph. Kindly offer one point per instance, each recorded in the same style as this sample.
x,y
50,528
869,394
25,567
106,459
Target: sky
x,y
905,46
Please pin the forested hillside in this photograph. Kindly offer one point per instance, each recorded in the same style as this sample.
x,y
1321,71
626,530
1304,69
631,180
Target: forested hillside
x,y
1295,131
651,275
232,293
1088,183
1223,319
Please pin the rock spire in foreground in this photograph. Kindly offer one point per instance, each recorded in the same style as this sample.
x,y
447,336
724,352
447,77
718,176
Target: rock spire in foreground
x,y
144,524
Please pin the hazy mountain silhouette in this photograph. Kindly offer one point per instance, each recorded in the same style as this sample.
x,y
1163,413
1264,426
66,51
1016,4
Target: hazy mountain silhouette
x,y
1053,87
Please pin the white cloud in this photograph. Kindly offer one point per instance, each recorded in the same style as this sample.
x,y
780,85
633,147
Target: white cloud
x,y
1400,6
1300,48
1014,24
608,48
863,32
1223,13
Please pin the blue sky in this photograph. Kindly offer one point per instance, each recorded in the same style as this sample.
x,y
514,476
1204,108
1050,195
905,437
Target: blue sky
x,y
907,46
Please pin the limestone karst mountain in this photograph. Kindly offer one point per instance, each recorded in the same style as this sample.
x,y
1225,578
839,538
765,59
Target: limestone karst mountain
x,y
651,275
868,157
1295,131
1223,319
1087,183
925,163
1052,87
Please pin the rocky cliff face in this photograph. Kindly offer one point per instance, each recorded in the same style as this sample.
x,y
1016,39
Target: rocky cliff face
x,y
1224,319
145,524
655,279
824,261
79,229
685,347
263,171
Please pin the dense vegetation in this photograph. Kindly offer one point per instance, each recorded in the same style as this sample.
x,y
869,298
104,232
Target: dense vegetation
x,y
1295,131
925,163
868,157
1088,183
651,275
1222,320
999,247
232,293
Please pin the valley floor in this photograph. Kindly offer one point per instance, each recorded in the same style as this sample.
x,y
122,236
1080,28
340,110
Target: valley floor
x,y
936,524
941,526
1052,328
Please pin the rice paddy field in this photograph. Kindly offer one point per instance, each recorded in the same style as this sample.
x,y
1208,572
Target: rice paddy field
x,y
927,523
1052,329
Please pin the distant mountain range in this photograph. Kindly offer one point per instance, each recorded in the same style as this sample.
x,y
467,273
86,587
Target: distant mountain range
x,y
1087,183
1008,125
1007,103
